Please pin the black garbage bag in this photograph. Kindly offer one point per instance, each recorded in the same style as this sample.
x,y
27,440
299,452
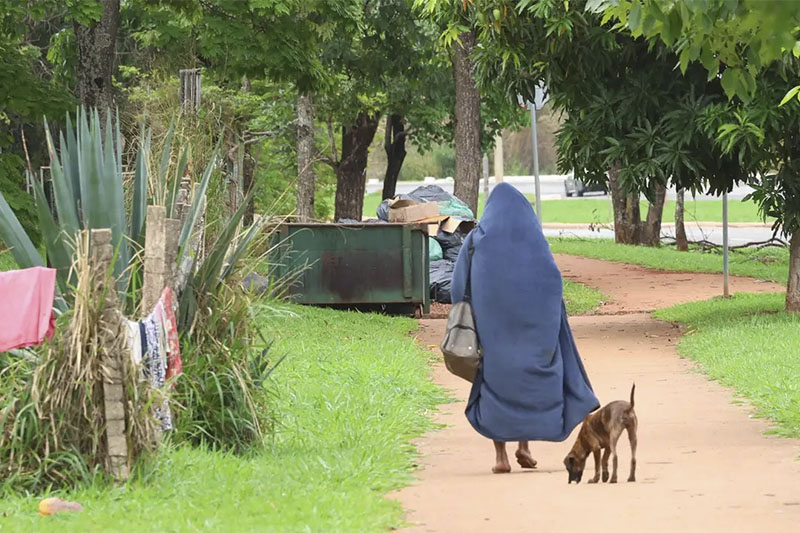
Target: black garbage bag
x,y
430,193
441,275
451,254
450,240
451,243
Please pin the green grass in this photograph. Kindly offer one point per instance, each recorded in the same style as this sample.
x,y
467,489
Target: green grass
x,y
749,344
7,262
348,399
581,299
771,264
588,210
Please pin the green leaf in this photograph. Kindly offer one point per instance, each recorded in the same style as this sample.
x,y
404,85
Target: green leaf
x,y
194,210
707,58
730,81
140,180
793,92
684,60
635,17
12,234
165,154
59,252
209,273
240,249
62,190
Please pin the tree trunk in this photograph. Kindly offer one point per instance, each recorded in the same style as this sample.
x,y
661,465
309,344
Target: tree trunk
x,y
395,146
306,179
248,169
467,124
681,242
351,171
248,178
96,54
793,287
651,232
627,219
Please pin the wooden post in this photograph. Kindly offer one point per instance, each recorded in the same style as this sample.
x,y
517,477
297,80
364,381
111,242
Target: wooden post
x,y
113,362
190,92
157,272
498,158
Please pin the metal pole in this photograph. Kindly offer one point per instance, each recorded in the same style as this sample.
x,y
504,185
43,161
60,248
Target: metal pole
x,y
725,291
532,107
486,175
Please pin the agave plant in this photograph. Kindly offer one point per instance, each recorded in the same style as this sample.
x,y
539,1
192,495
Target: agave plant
x,y
87,177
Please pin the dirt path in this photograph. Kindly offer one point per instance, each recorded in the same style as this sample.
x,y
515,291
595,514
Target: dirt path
x,y
703,463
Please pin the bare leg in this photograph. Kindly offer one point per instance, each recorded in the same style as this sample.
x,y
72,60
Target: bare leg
x,y
524,457
502,465
596,477
606,454
632,439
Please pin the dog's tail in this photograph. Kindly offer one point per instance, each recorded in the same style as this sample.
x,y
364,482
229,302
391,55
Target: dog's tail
x,y
633,389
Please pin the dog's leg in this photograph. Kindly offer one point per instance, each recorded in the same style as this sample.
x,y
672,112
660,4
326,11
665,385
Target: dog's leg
x,y
612,444
606,454
596,477
633,440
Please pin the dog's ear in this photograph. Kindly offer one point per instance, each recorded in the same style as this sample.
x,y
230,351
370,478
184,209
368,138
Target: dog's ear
x,y
569,461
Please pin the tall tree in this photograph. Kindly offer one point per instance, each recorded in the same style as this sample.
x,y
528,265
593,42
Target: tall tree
x,y
467,123
752,47
351,169
96,27
629,119
681,242
395,146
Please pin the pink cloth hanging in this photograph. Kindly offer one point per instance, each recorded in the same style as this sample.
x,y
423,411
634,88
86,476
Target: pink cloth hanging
x,y
174,364
26,307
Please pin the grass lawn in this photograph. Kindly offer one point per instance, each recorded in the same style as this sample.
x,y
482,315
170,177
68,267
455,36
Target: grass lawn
x,y
598,210
747,343
770,264
581,299
348,399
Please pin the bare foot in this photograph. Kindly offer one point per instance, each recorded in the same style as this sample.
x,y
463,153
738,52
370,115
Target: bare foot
x,y
501,468
525,459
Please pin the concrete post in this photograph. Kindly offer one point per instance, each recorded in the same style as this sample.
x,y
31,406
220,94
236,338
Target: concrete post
x,y
498,158
157,272
110,328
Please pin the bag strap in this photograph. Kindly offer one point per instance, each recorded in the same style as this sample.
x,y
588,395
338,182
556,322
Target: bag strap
x,y
468,288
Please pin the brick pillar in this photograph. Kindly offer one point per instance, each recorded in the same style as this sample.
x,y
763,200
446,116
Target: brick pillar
x,y
113,378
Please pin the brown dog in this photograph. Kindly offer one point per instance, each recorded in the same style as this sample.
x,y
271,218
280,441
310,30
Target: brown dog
x,y
601,431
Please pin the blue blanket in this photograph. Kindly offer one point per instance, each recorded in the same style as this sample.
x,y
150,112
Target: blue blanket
x,y
531,384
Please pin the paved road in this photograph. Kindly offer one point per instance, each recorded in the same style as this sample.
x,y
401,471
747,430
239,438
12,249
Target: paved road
x,y
552,187
736,235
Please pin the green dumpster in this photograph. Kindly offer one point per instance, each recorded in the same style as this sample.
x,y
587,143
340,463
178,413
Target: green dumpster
x,y
367,266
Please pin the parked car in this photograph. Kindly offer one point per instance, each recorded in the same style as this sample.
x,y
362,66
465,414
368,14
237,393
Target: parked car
x,y
575,187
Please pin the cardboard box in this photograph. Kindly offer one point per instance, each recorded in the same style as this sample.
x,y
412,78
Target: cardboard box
x,y
411,211
452,224
447,224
